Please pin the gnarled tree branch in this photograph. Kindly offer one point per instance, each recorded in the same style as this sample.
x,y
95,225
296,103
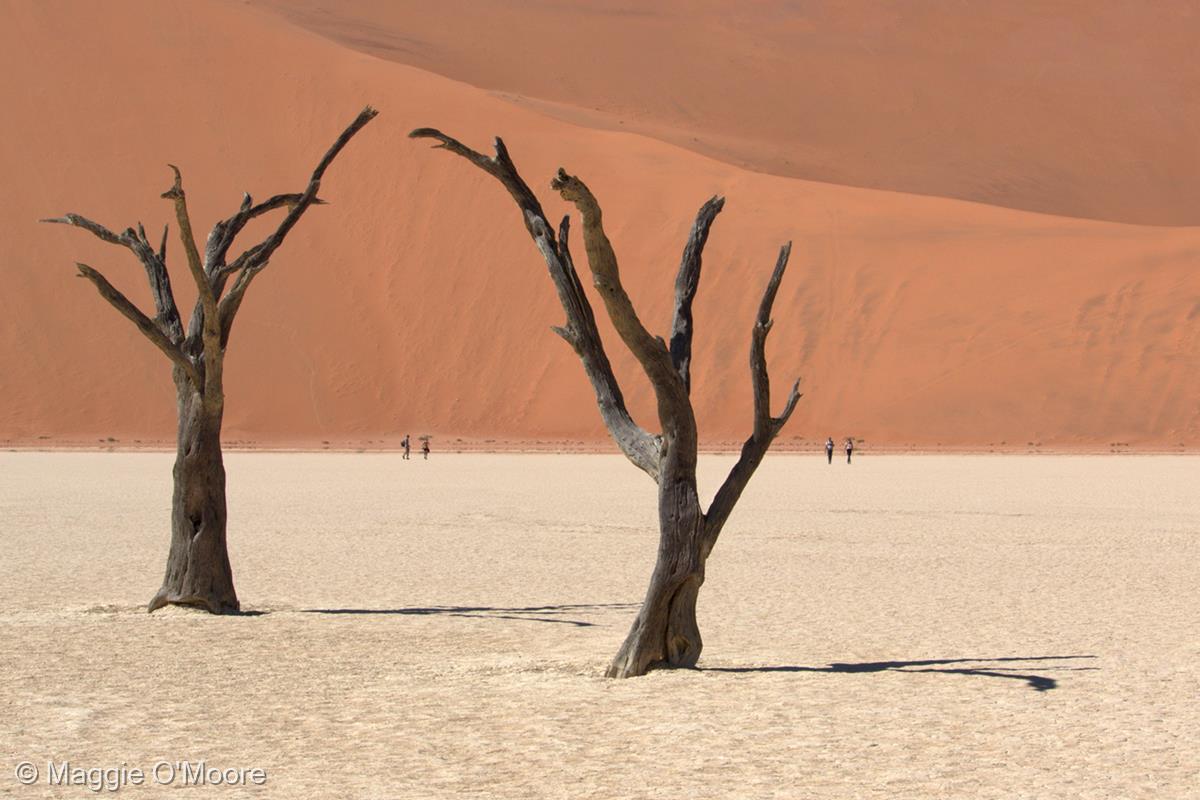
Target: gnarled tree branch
x,y
256,258
94,228
580,331
639,446
206,300
500,167
687,281
146,325
650,351
766,427
155,265
224,233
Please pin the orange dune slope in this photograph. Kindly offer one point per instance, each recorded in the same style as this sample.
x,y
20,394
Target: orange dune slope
x,y
1087,109
415,302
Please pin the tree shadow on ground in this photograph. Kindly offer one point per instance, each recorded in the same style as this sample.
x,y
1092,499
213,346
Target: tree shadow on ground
x,y
525,613
1039,683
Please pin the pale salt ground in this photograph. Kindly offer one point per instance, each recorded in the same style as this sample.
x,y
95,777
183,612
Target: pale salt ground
x,y
907,627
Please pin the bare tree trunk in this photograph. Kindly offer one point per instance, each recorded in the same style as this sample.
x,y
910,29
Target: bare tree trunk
x,y
198,571
665,632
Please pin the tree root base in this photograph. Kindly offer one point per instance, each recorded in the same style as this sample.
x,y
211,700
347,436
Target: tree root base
x,y
210,604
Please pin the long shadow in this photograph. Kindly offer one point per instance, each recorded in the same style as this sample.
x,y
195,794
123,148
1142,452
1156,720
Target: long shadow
x,y
526,613
1041,683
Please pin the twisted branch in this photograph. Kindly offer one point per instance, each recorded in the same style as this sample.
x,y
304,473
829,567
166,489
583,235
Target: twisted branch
x,y
155,265
146,325
766,427
686,283
206,311
579,330
208,329
255,259
674,408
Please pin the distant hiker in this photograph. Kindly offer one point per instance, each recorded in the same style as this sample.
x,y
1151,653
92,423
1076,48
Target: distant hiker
x,y
849,448
829,449
425,448
407,446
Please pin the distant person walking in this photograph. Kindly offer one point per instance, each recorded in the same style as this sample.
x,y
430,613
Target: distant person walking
x,y
849,448
829,449
407,446
425,448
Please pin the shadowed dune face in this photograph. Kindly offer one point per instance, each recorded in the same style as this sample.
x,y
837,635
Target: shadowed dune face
x,y
1076,109
415,301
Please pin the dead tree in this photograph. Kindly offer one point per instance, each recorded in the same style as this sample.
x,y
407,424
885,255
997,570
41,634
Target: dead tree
x,y
665,633
198,571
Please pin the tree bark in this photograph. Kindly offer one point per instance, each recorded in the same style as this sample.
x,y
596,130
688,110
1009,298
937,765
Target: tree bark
x,y
665,632
198,571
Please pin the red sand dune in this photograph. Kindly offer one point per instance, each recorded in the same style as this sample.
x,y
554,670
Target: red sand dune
x,y
415,302
1088,109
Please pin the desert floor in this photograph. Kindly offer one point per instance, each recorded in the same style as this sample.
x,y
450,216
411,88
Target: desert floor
x,y
906,627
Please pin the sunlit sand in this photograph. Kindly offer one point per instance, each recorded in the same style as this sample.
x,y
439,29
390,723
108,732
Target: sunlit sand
x,y
905,627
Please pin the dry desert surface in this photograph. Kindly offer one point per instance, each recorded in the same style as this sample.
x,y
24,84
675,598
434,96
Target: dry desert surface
x,y
906,627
